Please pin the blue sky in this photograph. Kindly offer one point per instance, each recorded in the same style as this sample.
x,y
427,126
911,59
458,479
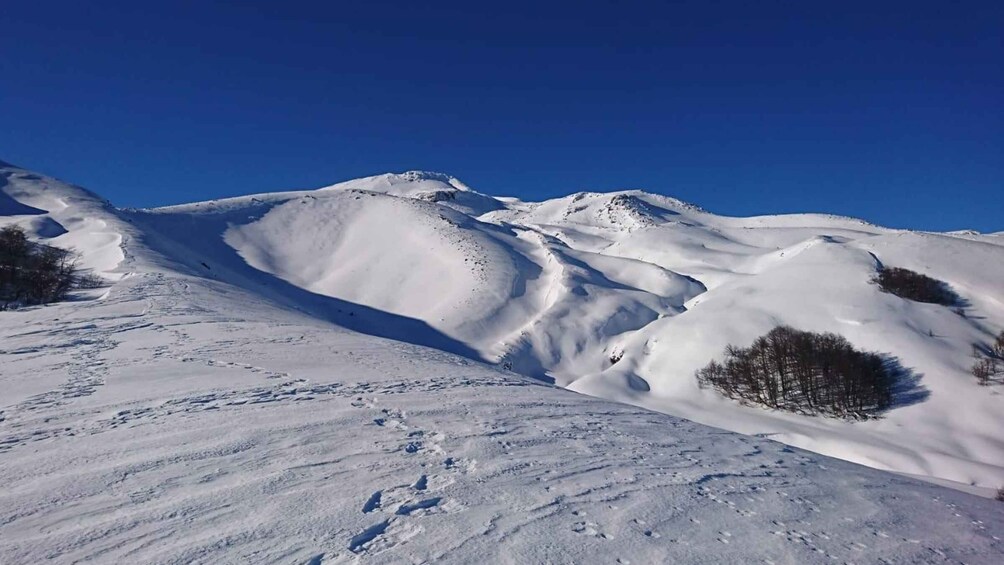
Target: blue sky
x,y
887,111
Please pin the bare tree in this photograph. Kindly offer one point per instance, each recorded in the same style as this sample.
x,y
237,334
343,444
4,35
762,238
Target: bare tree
x,y
802,371
997,348
983,369
915,286
33,273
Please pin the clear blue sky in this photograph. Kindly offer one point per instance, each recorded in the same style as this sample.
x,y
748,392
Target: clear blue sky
x,y
889,111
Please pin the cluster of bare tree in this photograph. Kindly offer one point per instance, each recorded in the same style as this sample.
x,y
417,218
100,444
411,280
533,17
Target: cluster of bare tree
x,y
803,372
32,273
915,286
988,361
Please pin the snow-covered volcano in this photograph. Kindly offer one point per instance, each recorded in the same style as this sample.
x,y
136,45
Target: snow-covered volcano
x,y
231,396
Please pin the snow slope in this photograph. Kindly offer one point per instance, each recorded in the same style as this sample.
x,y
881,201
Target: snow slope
x,y
64,215
507,293
182,420
557,290
232,396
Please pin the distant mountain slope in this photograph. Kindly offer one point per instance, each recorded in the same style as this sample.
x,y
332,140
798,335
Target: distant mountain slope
x,y
812,272
512,294
620,295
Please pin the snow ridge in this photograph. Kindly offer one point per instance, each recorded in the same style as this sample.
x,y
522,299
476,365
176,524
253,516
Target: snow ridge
x,y
217,401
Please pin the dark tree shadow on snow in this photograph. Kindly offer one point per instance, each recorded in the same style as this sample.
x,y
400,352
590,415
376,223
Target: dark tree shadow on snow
x,y
907,389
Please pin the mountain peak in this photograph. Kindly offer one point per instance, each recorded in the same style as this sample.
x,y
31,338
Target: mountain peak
x,y
380,183
413,176
426,176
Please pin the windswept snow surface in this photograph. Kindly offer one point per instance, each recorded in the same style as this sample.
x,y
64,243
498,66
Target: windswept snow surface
x,y
558,290
232,396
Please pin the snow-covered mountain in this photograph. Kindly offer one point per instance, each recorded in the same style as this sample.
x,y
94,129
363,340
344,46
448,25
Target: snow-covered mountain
x,y
231,395
557,289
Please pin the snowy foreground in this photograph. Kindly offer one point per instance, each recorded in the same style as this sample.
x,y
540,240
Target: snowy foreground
x,y
223,401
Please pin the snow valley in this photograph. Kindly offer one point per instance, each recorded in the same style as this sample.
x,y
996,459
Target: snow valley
x,y
376,371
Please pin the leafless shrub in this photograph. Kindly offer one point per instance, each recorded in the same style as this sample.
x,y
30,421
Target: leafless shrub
x,y
33,273
803,372
987,360
983,369
915,286
997,348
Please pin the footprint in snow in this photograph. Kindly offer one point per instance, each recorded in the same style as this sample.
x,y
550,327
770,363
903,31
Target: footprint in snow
x,y
409,508
373,503
590,529
421,484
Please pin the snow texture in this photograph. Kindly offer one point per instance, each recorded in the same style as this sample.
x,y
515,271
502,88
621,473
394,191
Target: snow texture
x,y
319,377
